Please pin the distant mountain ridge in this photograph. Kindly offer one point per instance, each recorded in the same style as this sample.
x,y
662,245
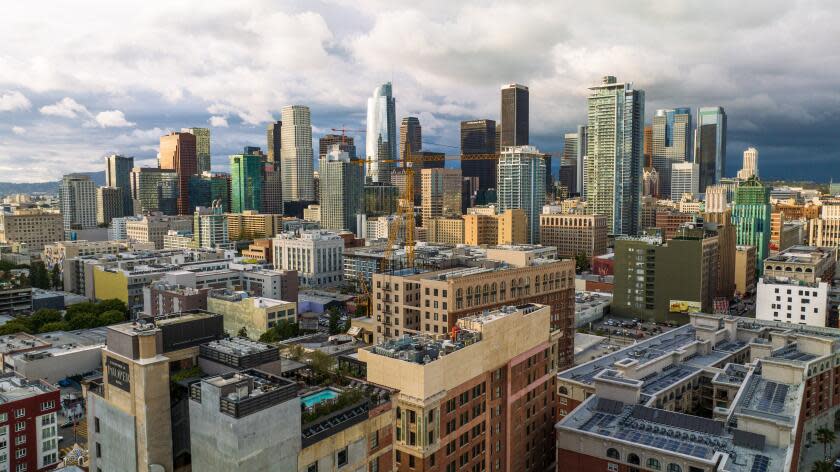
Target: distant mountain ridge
x,y
8,188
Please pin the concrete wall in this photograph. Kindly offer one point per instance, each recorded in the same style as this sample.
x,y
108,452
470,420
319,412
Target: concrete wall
x,y
267,440
76,361
116,437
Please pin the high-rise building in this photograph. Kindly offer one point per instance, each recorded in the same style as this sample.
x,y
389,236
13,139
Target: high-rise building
x,y
449,390
661,280
521,177
514,115
271,196
479,137
670,143
441,193
77,194
345,143
648,146
154,189
722,219
710,145
716,201
509,227
210,227
411,134
33,227
749,168
444,230
380,200
202,148
273,141
582,142
246,185
316,255
751,217
118,174
109,204
296,155
178,153
342,197
685,179
574,235
381,138
614,160
650,182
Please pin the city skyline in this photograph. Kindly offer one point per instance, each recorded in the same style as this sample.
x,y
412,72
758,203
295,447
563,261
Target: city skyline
x,y
785,111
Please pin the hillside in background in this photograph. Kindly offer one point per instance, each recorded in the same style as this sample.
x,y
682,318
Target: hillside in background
x,y
8,188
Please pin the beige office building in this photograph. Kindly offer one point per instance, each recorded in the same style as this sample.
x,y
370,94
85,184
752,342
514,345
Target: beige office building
x,y
109,204
445,230
509,227
253,225
256,314
34,228
574,234
441,193
825,230
745,269
153,228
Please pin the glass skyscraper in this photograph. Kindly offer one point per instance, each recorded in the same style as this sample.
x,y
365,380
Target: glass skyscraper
x,y
118,174
296,155
246,171
751,217
381,136
614,159
521,184
670,143
710,145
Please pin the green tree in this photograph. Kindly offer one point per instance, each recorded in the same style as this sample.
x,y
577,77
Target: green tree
x,y
822,466
581,262
55,278
79,309
270,336
296,352
110,317
826,437
335,326
42,317
84,321
243,332
15,326
38,276
112,304
322,364
54,326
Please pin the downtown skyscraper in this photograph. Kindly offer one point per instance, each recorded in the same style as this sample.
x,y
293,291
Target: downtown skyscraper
x,y
246,179
710,145
514,115
614,161
273,141
296,154
381,138
118,174
479,137
670,143
342,190
202,148
521,184
178,153
411,134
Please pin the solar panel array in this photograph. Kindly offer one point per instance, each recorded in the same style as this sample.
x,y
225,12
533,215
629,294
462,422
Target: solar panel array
x,y
661,442
667,378
760,464
772,399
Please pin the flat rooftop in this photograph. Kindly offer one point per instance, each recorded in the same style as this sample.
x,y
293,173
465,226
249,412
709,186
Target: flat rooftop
x,y
673,433
770,400
13,387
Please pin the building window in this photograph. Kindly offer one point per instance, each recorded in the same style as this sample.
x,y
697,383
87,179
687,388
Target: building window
x,y
20,413
674,468
612,453
48,405
20,426
20,440
653,464
634,459
20,468
20,453
313,467
611,467
341,457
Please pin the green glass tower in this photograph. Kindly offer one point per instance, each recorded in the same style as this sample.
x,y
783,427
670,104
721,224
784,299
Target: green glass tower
x,y
246,182
751,217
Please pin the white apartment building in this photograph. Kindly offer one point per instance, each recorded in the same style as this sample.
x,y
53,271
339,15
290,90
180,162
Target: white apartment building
x,y
792,301
316,255
685,179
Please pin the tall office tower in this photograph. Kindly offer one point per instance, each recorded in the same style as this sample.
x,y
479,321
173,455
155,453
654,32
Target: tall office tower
x,y
685,178
344,142
273,141
648,146
716,201
479,137
650,184
220,184
410,133
154,189
178,153
118,174
202,148
271,195
568,174
441,193
614,154
381,138
710,145
502,362
296,154
522,184
750,166
77,194
570,146
210,227
670,143
342,197
751,217
582,142
246,185
514,115
109,204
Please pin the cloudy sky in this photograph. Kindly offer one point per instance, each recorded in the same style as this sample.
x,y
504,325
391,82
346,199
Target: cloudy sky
x,y
82,79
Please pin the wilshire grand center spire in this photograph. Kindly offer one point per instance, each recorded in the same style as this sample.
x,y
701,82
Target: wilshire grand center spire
x,y
381,134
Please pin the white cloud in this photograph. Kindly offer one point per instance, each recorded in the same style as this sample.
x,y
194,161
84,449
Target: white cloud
x,y
13,101
218,121
18,130
66,107
112,119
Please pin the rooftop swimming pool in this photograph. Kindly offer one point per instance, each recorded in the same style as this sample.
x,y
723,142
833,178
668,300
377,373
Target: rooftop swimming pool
x,y
319,397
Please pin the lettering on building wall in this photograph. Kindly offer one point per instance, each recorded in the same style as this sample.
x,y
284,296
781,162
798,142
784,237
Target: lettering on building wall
x,y
118,374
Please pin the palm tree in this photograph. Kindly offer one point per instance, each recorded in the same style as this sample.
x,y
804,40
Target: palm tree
x,y
825,437
822,466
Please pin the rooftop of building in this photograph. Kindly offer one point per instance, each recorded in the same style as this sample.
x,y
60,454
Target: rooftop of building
x,y
241,295
21,342
14,387
247,392
147,325
238,346
676,434
310,235
806,255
